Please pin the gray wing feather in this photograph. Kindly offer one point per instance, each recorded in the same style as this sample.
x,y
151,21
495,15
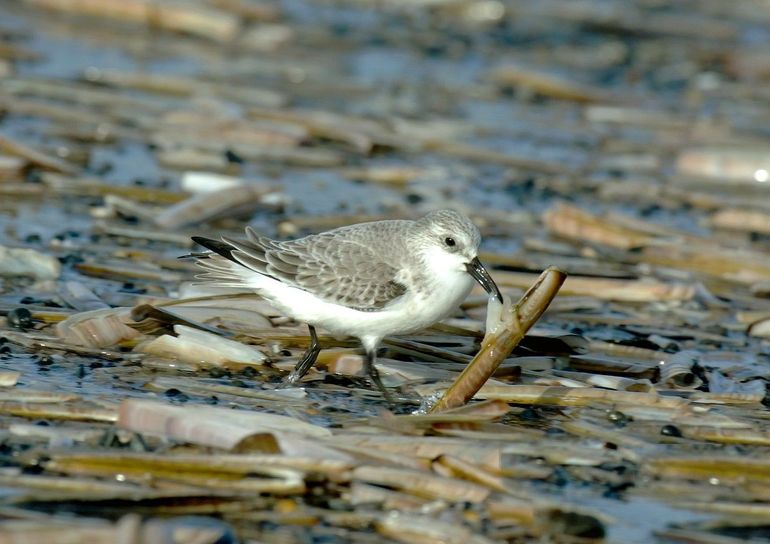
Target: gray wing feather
x,y
335,266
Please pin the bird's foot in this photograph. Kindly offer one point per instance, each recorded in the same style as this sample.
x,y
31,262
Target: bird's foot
x,y
374,375
291,379
301,369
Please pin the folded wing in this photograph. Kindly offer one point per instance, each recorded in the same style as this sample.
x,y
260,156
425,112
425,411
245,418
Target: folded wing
x,y
336,268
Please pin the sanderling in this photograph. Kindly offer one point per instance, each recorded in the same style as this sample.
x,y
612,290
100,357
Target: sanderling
x,y
367,280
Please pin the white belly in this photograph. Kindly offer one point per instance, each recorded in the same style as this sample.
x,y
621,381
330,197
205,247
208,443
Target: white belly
x,y
412,312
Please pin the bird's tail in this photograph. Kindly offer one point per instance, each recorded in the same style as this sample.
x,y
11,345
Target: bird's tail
x,y
219,266
224,273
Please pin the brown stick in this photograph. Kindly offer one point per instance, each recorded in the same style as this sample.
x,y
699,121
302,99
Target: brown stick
x,y
497,345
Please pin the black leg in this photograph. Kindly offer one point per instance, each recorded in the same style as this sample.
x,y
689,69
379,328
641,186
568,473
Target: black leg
x,y
374,375
307,359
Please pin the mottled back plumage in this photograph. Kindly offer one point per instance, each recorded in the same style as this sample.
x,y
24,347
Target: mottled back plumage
x,y
344,266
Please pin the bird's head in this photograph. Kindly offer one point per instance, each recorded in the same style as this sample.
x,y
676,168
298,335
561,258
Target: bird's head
x,y
451,241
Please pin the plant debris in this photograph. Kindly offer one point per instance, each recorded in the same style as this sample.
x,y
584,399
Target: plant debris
x,y
623,144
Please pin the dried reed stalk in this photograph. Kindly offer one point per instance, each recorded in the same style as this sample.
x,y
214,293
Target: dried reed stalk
x,y
514,323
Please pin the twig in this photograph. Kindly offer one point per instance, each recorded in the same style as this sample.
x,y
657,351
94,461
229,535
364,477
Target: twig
x,y
513,324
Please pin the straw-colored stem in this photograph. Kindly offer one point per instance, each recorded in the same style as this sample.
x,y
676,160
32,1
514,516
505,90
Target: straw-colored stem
x,y
495,348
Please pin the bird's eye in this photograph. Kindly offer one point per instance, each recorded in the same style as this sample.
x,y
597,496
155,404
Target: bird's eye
x,y
450,241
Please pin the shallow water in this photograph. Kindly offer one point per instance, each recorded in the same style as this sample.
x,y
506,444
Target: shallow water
x,y
504,151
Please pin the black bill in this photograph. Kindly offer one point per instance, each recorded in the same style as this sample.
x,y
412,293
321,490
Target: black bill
x,y
480,274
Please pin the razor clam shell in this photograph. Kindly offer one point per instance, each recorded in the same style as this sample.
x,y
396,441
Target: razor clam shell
x,y
196,346
98,328
676,372
28,263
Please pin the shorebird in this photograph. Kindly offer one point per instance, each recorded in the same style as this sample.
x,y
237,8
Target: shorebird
x,y
367,280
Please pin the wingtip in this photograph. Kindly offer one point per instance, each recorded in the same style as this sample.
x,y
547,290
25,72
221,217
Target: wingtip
x,y
195,255
217,246
200,240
